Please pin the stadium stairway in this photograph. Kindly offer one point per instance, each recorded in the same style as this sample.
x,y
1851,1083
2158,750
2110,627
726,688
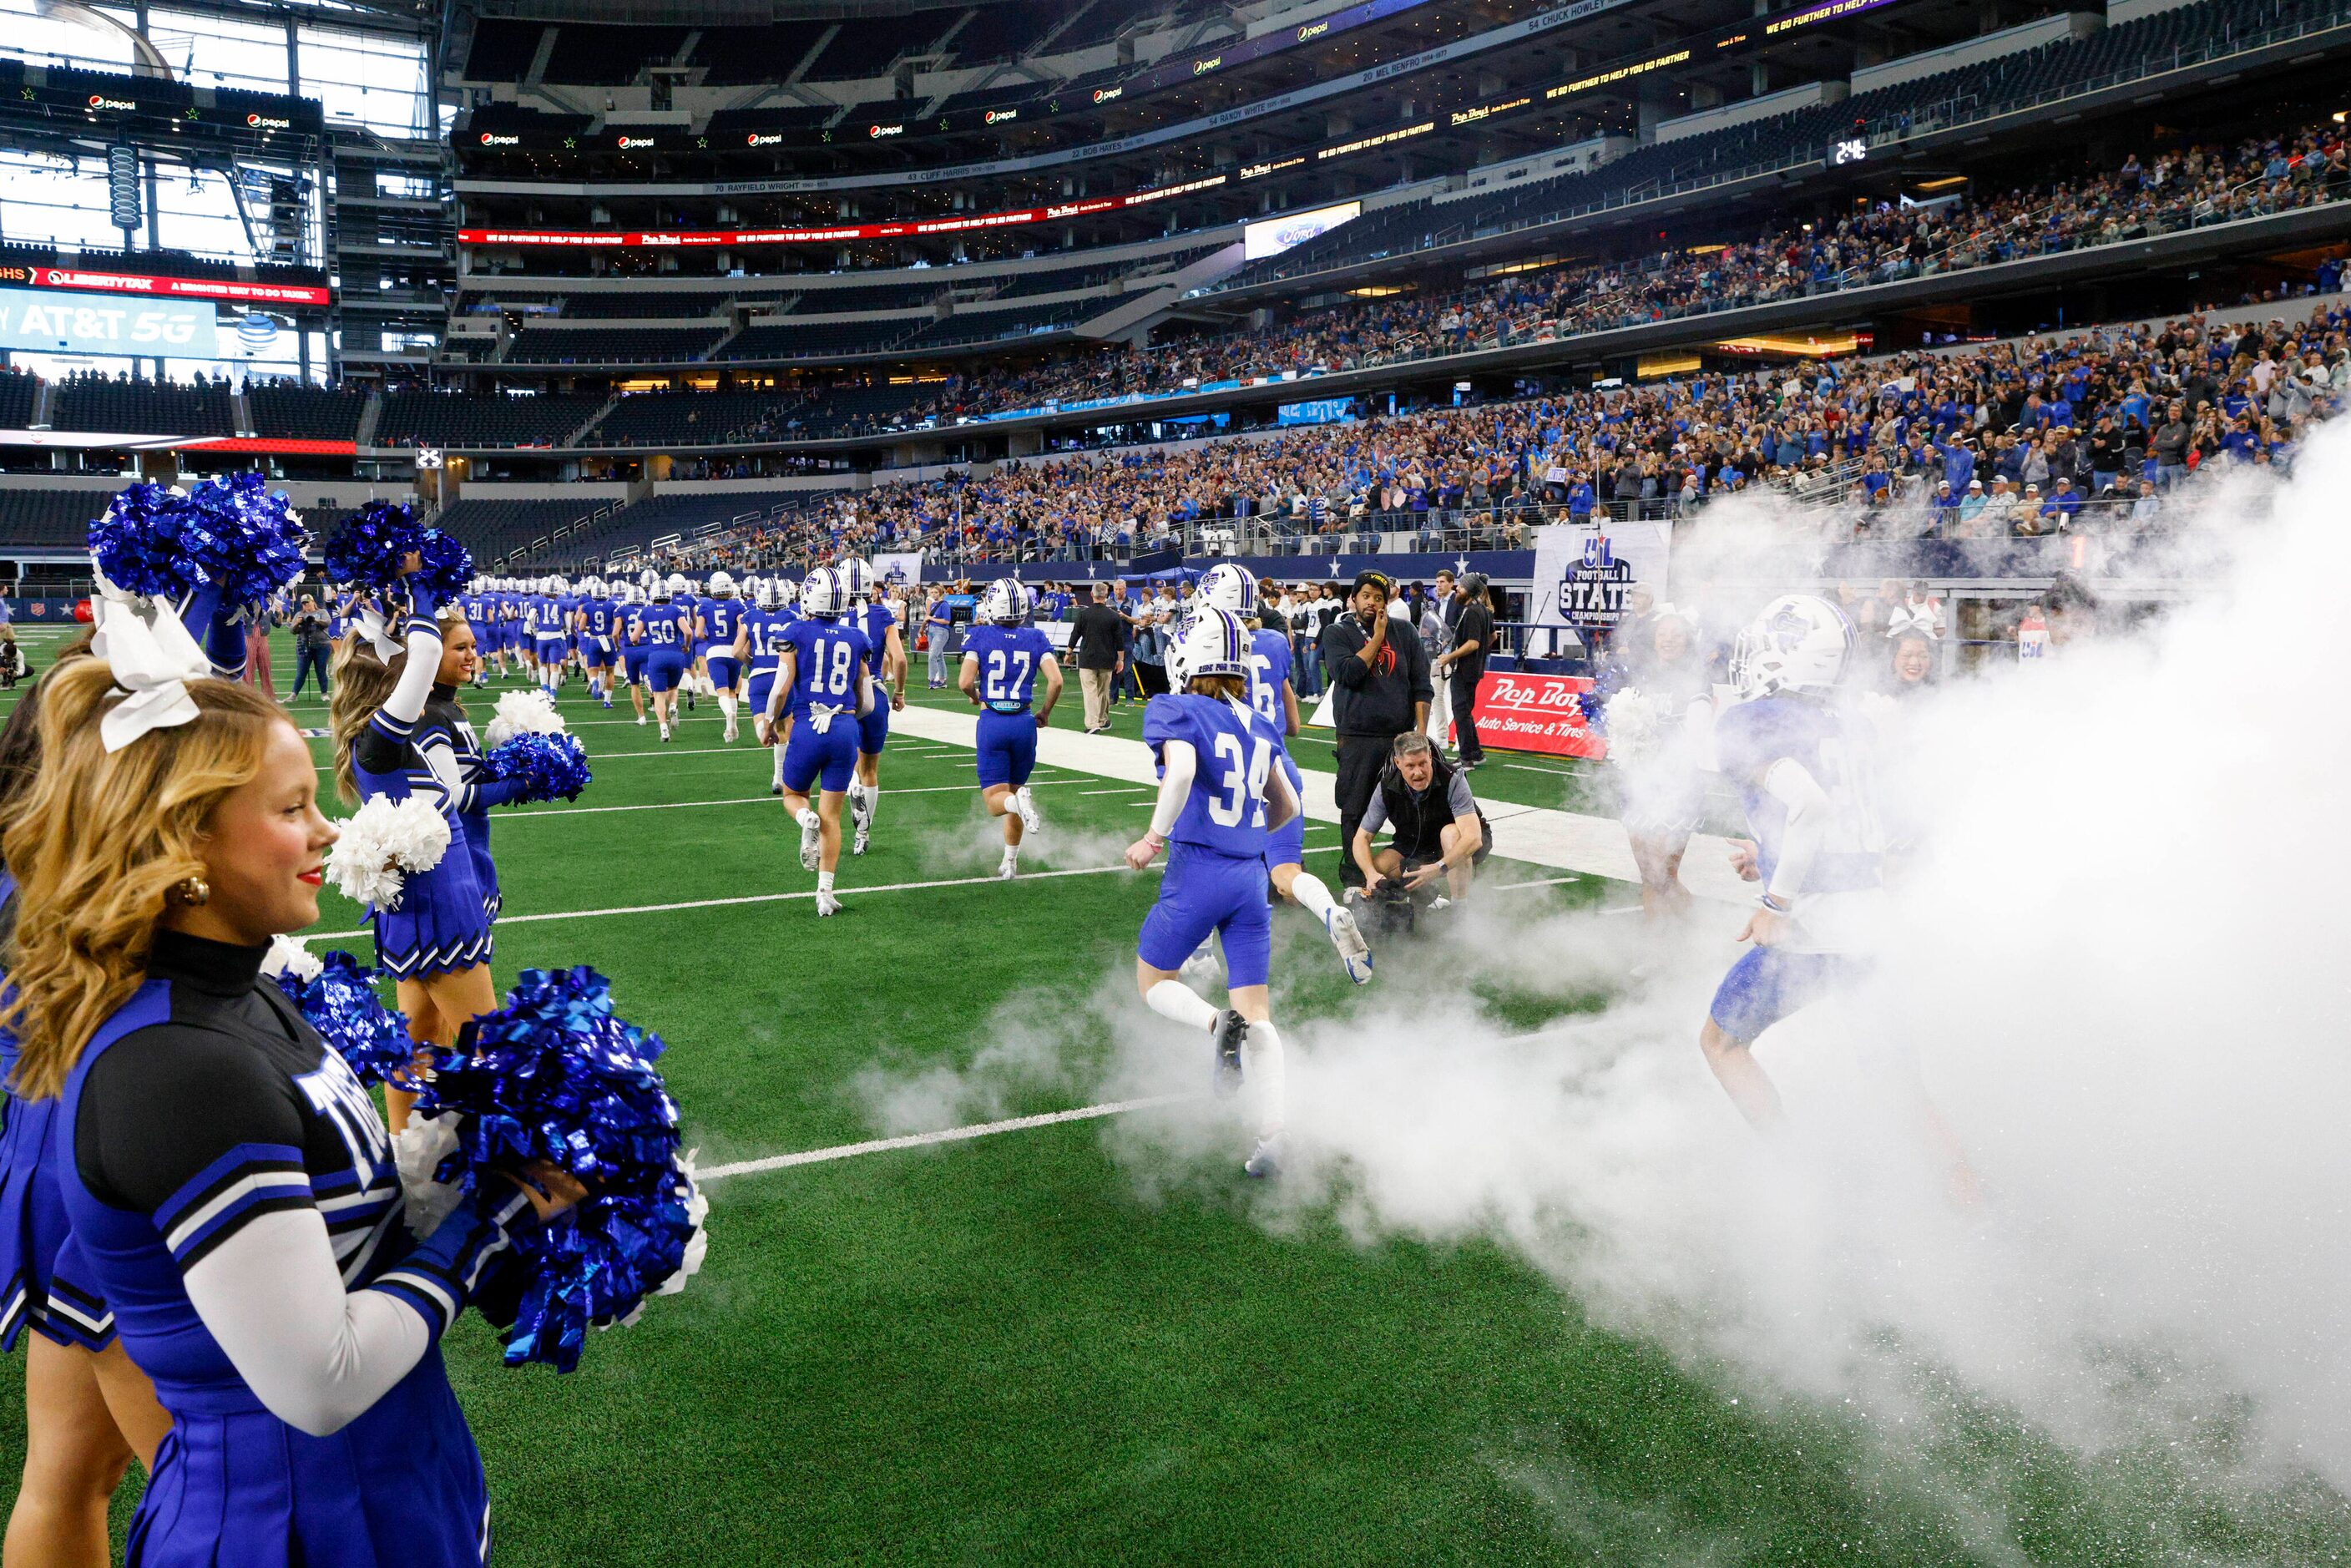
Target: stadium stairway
x,y
1563,840
1140,310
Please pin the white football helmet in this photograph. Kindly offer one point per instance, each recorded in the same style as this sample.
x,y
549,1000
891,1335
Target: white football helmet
x,y
788,590
1215,644
763,594
677,584
722,585
1801,642
1231,587
821,595
856,578
660,590
1006,601
647,577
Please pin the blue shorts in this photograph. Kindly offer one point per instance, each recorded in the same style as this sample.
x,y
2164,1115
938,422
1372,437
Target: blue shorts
x,y
633,663
1007,748
1203,892
1285,845
873,728
1767,985
723,671
597,652
833,755
551,650
665,669
761,686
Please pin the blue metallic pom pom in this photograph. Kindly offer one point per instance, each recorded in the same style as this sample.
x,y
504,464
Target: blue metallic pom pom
x,y
448,565
341,1004
367,549
551,767
555,1076
227,538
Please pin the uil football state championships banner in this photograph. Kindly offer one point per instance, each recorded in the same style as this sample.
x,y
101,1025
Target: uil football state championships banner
x,y
1582,577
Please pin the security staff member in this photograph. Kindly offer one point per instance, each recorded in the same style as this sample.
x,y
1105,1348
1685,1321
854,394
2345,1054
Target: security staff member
x,y
1438,826
1380,670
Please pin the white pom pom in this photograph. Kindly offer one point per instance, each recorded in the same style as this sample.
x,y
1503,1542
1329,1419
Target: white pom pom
x,y
290,958
418,1151
697,1246
522,713
1630,723
382,841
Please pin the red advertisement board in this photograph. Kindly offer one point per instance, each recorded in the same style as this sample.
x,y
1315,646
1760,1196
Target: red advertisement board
x,y
178,287
1536,712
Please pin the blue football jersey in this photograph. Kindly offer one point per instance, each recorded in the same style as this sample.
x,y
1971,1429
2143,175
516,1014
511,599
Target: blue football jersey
x,y
665,626
632,623
1835,747
1009,658
600,617
721,619
1237,752
766,641
689,607
874,621
1269,671
827,657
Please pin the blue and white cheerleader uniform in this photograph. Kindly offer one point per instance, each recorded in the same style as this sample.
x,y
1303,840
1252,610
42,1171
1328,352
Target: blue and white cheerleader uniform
x,y
45,1284
442,922
874,727
829,656
232,1187
1009,658
1215,851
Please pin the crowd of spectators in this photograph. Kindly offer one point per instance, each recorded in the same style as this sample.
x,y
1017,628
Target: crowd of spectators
x,y
2185,187
2022,438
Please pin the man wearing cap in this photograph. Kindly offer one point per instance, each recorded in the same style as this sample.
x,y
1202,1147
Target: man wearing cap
x,y
1464,664
1379,671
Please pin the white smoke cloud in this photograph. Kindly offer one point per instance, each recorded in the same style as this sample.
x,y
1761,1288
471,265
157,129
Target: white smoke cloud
x,y
2115,974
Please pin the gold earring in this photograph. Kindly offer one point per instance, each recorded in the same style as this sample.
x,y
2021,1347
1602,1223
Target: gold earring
x,y
191,891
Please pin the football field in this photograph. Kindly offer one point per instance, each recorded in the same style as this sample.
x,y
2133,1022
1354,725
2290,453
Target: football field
x,y
1047,1342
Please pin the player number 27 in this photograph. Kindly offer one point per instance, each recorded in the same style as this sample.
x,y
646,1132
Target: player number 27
x,y
1001,690
1242,790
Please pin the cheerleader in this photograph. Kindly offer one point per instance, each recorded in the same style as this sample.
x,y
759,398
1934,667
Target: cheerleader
x,y
205,1133
397,730
631,629
758,648
87,1410
1002,659
718,628
668,632
870,612
1233,588
823,675
1221,793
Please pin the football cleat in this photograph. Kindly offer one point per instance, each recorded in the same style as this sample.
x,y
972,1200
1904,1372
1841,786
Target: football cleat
x,y
863,837
665,733
1008,867
1026,804
826,903
811,846
1354,952
1265,1161
1201,967
728,735
641,721
1231,1031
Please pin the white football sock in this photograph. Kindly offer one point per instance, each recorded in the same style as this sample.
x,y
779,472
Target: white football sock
x,y
1312,896
873,804
806,817
726,707
1261,1066
1174,999
824,881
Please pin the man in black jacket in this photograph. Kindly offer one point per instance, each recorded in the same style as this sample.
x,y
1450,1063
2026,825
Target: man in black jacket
x,y
1380,671
1098,647
1465,663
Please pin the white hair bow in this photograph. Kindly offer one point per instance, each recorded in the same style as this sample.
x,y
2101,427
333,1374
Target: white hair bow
x,y
379,636
153,657
1911,621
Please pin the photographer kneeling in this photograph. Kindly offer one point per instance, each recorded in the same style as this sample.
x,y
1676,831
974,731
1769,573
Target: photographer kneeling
x,y
1437,827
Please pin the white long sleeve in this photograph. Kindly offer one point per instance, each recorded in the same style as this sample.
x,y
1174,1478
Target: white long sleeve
x,y
1806,827
1178,763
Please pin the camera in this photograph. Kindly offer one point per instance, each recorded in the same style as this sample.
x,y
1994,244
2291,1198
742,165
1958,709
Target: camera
x,y
1394,909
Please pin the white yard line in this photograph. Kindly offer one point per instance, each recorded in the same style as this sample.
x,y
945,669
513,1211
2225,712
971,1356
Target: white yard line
x,y
745,801
944,1135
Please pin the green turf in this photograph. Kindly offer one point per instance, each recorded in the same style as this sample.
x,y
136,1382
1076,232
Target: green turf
x,y
1004,1351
